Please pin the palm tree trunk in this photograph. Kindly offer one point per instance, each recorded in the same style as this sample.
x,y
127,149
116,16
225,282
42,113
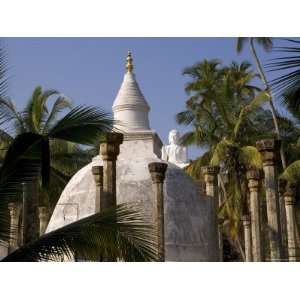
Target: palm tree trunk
x,y
272,108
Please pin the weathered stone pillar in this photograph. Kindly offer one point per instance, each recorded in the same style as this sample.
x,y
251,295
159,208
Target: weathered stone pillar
x,y
44,218
247,237
289,199
98,176
253,177
158,171
211,180
281,190
269,150
210,174
109,151
30,212
14,212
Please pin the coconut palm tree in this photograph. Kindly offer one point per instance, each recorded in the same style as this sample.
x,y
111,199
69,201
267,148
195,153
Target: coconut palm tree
x,y
267,44
210,84
65,157
227,119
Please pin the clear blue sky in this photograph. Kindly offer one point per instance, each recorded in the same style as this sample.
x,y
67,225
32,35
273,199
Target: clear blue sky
x,y
90,70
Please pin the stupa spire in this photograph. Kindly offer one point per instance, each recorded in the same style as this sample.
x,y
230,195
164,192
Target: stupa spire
x,y
129,64
130,106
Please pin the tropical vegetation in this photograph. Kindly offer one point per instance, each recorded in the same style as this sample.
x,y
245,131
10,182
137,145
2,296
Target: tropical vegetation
x,y
227,111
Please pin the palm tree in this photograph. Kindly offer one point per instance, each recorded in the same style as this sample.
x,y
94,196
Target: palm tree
x,y
210,85
65,157
267,44
227,119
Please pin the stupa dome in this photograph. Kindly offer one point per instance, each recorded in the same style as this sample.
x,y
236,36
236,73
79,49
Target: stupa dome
x,y
190,224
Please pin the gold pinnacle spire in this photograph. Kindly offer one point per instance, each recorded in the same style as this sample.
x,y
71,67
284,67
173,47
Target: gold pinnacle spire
x,y
129,65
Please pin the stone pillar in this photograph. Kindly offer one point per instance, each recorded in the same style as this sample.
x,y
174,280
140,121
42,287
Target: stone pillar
x,y
210,174
211,180
30,212
109,151
44,218
281,190
98,177
14,212
158,171
253,177
289,199
247,237
269,150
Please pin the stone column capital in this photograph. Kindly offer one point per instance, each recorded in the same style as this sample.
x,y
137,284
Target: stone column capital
x,y
110,145
14,208
43,211
157,171
289,195
253,177
97,171
246,220
253,174
210,170
269,149
210,174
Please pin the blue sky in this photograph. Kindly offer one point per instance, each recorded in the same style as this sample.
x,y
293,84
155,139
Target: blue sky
x,y
90,70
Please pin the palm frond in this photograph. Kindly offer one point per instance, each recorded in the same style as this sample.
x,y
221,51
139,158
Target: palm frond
x,y
3,73
185,117
59,105
83,125
252,106
250,157
194,168
292,173
219,153
241,41
8,113
116,234
287,85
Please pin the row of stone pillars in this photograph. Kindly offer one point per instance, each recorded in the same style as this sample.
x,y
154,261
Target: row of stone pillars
x,y
17,215
280,203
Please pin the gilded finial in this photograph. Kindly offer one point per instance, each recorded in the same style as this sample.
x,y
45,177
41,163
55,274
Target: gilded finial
x,y
129,65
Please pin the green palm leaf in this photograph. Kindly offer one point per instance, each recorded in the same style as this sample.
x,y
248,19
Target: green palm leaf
x,y
83,125
116,234
250,157
60,104
292,172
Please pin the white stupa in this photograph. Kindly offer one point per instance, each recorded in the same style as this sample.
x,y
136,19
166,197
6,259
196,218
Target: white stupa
x,y
190,229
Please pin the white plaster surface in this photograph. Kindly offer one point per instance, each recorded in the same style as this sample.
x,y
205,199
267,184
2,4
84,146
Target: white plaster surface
x,y
130,106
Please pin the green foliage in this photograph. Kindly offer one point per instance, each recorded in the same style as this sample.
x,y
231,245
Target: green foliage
x,y
287,85
226,114
265,42
116,234
292,173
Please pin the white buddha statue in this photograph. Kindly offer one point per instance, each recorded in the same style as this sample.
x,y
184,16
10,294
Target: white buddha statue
x,y
175,153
